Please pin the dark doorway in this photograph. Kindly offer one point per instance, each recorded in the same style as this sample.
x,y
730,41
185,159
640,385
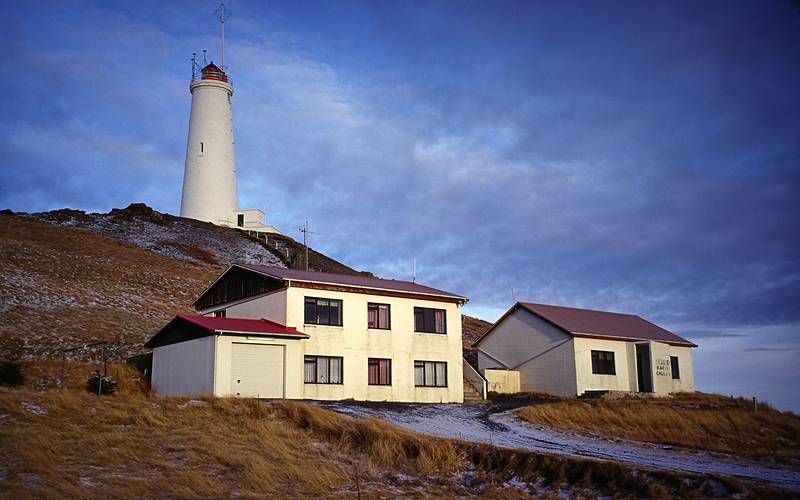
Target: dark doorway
x,y
643,368
240,220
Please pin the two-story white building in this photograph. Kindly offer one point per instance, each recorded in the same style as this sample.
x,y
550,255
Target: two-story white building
x,y
270,332
569,351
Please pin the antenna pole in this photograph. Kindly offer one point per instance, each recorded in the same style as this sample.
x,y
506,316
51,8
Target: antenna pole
x,y
305,242
306,231
224,14
414,272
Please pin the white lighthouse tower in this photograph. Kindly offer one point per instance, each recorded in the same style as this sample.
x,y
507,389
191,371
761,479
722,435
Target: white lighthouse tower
x,y
209,180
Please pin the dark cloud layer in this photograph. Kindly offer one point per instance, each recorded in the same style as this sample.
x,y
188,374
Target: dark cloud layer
x,y
628,156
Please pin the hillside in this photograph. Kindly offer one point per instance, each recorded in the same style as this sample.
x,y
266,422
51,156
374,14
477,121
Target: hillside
x,y
472,329
73,444
70,277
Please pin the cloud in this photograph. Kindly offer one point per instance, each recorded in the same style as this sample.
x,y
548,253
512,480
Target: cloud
x,y
647,166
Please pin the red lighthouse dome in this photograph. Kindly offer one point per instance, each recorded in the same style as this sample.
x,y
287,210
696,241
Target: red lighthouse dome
x,y
213,72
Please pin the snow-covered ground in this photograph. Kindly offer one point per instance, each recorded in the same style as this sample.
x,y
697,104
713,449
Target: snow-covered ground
x,y
170,236
484,424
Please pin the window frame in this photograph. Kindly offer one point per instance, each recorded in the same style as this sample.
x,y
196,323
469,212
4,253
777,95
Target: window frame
x,y
315,358
421,363
421,310
675,367
377,362
377,306
316,300
599,365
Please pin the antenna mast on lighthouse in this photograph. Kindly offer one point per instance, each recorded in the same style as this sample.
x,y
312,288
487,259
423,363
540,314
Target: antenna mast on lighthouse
x,y
223,14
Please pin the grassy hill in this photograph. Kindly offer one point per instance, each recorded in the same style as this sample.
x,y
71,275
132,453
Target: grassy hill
x,y
69,277
73,444
700,421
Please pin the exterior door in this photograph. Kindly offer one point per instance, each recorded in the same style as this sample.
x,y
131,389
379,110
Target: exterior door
x,y
257,371
643,368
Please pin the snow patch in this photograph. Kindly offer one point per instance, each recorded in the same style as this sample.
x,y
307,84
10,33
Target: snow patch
x,y
33,409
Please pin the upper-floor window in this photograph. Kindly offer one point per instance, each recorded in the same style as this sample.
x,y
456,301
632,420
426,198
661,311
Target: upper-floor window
x,y
676,372
219,314
603,363
430,374
379,371
378,316
323,370
429,320
323,311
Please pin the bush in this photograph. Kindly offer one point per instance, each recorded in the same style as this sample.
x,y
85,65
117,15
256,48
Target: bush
x,y
11,374
99,384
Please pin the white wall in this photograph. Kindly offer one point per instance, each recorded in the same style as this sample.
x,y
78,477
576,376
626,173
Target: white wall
x,y
542,353
588,381
293,375
356,343
185,368
209,181
663,383
271,306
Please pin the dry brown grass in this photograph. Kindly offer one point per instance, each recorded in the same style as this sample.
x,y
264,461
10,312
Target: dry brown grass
x,y
75,444
62,286
701,421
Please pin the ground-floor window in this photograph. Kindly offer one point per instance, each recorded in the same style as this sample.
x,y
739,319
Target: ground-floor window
x,y
323,370
430,374
603,363
379,371
676,372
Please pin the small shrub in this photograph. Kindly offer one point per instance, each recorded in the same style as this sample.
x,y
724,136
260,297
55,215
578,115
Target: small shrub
x,y
100,384
11,374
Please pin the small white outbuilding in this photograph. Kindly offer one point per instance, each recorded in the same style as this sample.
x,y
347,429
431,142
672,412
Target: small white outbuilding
x,y
569,351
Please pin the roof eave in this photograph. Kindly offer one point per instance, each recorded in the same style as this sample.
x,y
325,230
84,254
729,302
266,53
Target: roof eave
x,y
289,281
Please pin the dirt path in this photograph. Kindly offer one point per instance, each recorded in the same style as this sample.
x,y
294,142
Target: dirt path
x,y
500,427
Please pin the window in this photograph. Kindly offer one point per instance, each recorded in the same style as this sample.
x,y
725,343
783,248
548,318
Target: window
x,y
201,149
378,316
240,220
603,363
323,370
219,314
429,320
323,311
379,371
676,372
430,374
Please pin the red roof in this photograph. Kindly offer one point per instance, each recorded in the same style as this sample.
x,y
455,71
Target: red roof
x,y
348,280
202,326
241,325
599,324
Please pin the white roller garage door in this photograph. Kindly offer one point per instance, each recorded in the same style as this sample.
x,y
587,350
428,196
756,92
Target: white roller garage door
x,y
257,371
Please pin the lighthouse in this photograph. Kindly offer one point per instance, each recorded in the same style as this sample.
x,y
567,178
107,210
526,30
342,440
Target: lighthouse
x,y
209,179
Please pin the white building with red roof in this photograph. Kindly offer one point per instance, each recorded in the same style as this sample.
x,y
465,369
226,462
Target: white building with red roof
x,y
569,351
270,332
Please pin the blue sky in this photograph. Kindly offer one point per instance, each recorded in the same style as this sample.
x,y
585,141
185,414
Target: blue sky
x,y
640,157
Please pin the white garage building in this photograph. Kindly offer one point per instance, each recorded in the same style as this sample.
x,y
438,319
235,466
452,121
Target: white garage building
x,y
270,332
569,351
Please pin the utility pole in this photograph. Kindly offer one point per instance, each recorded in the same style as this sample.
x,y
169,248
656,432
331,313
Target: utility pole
x,y
306,231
